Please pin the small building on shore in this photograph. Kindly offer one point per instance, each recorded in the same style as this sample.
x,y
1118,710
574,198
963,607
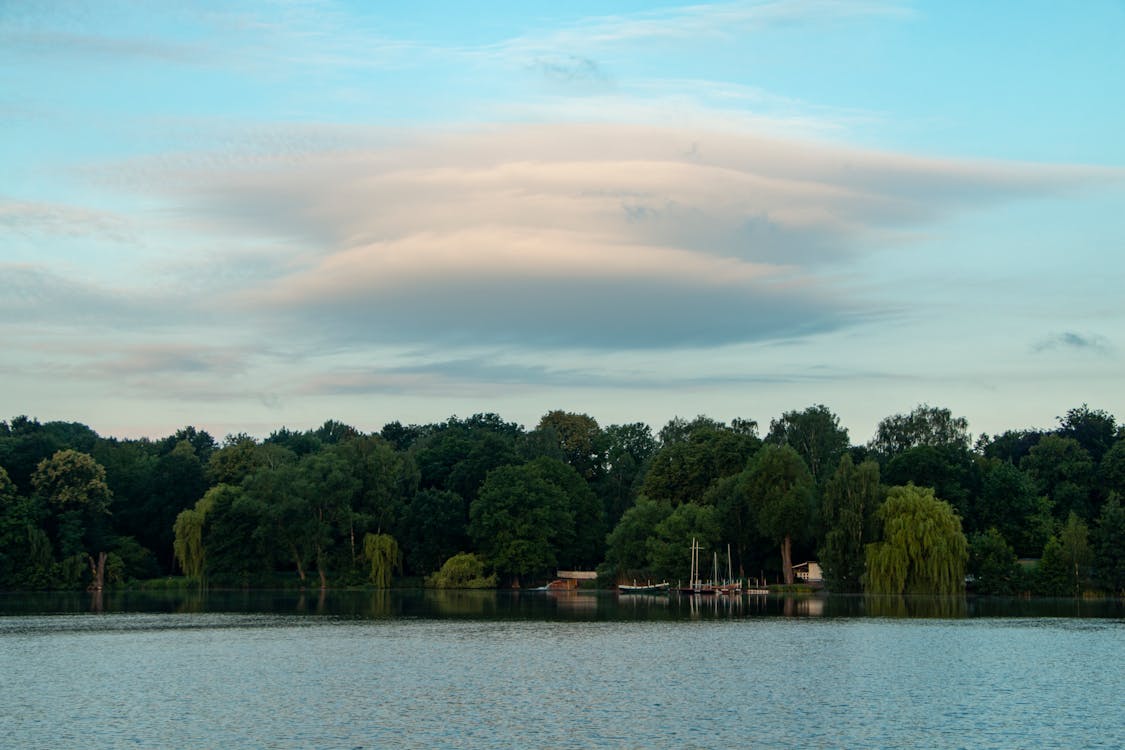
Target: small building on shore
x,y
808,572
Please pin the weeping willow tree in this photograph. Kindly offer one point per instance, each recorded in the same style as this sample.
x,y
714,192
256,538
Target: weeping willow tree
x,y
383,553
923,549
187,544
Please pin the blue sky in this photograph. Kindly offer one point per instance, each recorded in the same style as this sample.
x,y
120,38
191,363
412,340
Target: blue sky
x,y
253,214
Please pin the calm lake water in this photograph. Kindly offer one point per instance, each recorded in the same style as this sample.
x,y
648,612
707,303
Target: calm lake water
x,y
539,670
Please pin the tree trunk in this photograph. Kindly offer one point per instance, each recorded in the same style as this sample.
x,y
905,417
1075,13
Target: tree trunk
x,y
320,569
351,535
98,571
297,559
787,560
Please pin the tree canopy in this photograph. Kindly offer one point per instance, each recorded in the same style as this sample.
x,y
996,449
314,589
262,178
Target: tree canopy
x,y
922,549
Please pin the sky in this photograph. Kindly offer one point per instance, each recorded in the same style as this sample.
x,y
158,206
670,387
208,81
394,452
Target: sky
x,y
249,214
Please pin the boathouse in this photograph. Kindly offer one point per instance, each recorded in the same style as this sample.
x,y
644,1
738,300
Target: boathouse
x,y
808,572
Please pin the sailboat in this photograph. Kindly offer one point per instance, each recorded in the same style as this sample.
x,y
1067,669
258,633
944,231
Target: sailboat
x,y
696,584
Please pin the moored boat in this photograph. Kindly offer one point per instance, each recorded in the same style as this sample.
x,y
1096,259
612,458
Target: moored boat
x,y
642,588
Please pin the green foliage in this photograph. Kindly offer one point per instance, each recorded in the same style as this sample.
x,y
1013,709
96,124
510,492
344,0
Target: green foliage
x,y
1094,429
1008,503
992,564
201,442
628,450
306,500
1111,470
949,469
382,551
1009,446
669,548
434,528
682,471
188,532
520,520
851,496
783,495
1066,566
178,480
1109,545
627,550
462,571
382,480
925,425
738,519
70,479
580,441
923,549
236,541
238,458
1062,470
584,548
815,433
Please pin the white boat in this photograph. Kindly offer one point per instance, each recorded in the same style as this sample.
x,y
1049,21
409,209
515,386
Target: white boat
x,y
642,588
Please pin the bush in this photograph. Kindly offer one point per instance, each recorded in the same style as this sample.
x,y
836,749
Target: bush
x,y
462,571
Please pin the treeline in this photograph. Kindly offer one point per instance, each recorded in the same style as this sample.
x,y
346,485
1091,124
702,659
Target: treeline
x,y
480,501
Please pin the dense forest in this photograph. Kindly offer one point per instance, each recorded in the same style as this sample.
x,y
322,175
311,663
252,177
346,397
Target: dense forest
x,y
922,507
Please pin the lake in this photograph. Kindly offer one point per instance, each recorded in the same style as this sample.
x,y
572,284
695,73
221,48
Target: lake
x,y
545,670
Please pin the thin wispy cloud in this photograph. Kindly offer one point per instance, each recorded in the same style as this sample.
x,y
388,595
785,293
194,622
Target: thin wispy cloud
x,y
1074,342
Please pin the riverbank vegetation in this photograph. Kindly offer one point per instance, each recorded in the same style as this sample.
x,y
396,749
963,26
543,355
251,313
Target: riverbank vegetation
x,y
921,507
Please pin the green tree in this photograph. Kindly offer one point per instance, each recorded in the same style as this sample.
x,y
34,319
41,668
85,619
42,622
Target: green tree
x,y
327,486
462,571
1109,546
992,564
333,432
679,430
520,521
815,433
434,529
73,486
586,547
1065,568
1062,470
188,533
1009,446
24,446
237,541
783,494
382,551
178,480
949,469
682,471
238,458
71,479
925,425
289,521
1094,429
1111,470
201,442
851,496
627,553
1008,502
923,549
669,548
26,558
629,448
738,519
579,438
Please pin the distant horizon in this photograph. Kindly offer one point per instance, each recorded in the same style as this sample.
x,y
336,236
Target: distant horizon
x,y
530,424
256,214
